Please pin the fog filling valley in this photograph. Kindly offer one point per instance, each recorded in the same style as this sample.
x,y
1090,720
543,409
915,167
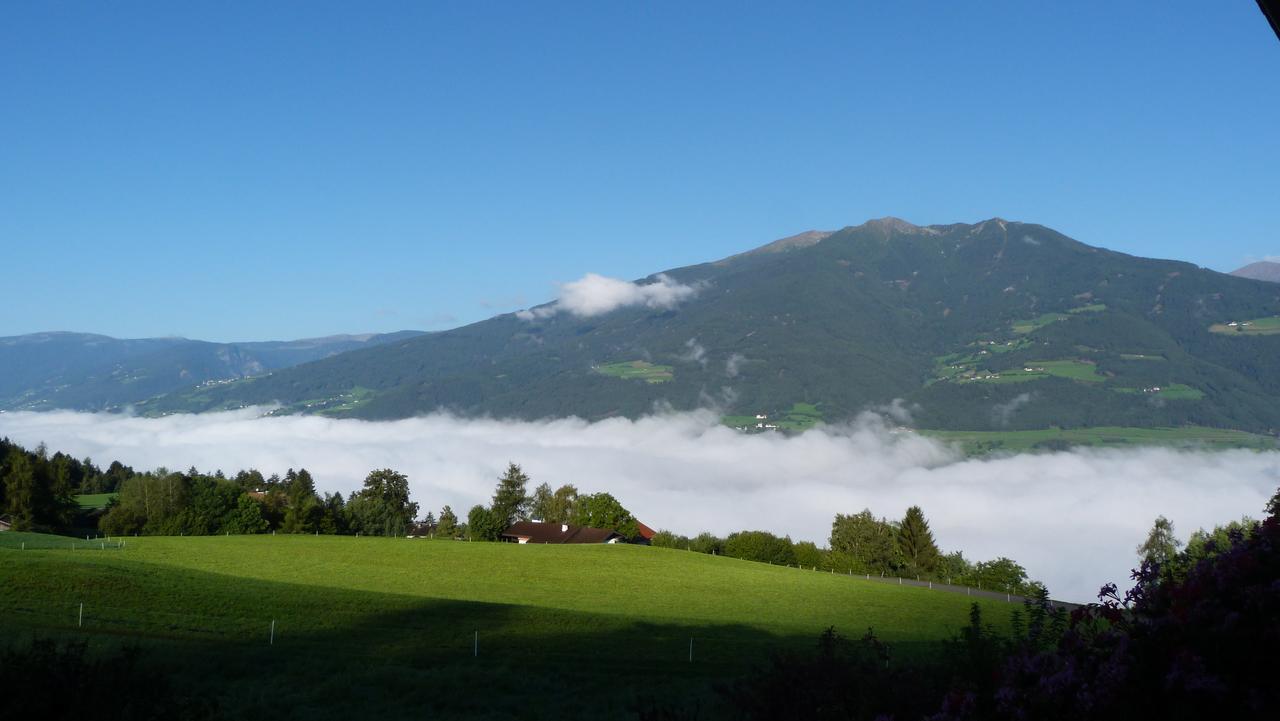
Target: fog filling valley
x,y
1073,519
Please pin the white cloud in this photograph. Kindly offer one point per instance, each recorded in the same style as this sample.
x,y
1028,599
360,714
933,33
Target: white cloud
x,y
733,365
1002,413
1073,519
594,294
694,353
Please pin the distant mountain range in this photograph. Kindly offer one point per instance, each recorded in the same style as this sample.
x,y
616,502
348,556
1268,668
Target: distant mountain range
x,y
82,371
1262,270
994,325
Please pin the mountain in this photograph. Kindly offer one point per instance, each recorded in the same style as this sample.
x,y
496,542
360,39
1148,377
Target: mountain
x,y
1262,270
83,371
993,325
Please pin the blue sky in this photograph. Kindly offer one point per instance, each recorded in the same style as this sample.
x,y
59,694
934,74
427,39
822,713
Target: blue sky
x,y
245,171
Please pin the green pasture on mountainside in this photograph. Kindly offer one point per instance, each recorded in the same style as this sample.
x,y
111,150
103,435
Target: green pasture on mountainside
x,y
980,442
637,370
425,619
1254,326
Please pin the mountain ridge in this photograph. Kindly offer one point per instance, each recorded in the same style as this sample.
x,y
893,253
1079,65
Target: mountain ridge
x,y
92,371
862,316
1263,270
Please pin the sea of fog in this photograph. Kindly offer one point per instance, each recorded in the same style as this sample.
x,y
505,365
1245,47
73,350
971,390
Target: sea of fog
x,y
1072,518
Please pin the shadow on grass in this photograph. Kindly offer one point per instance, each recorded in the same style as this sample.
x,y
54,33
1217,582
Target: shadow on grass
x,y
263,649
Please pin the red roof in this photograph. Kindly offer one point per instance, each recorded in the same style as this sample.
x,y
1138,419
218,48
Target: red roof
x,y
645,532
534,532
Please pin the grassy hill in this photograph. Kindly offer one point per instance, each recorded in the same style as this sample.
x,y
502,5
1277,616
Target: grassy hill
x,y
959,320
387,627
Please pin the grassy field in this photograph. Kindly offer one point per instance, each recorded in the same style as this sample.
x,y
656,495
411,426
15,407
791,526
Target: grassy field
x,y
1091,308
1022,327
980,442
1076,370
94,501
1255,326
637,370
402,616
1173,392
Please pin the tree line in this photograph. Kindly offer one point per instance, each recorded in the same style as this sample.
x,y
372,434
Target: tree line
x,y
861,544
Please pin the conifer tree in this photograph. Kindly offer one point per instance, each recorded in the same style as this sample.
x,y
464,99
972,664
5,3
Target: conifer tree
x,y
510,500
916,541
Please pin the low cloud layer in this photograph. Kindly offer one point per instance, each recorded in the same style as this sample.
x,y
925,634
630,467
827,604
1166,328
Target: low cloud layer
x,y
594,294
1073,519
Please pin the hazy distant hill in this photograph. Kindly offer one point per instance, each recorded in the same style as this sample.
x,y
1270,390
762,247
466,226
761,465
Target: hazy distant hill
x,y
986,326
82,371
1262,270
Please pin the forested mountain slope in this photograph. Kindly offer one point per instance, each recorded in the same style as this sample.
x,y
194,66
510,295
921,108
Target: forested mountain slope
x,y
987,326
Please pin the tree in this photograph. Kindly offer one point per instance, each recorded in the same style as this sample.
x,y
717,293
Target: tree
x,y
915,540
1161,547
667,539
562,504
22,493
760,546
429,520
601,510
1002,574
304,512
448,525
542,505
707,542
808,555
510,501
1273,506
382,507
335,518
870,543
484,524
247,517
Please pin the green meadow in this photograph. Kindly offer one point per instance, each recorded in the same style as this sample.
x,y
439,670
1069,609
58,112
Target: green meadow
x,y
637,370
1253,326
403,627
981,442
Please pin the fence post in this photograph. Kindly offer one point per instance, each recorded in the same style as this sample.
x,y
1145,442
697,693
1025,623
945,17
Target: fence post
x,y
475,646
272,640
80,621
691,649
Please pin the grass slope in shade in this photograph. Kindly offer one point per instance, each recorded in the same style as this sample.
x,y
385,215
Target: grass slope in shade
x,y
393,621
980,442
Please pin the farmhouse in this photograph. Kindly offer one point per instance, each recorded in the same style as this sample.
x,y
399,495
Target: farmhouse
x,y
538,532
6,523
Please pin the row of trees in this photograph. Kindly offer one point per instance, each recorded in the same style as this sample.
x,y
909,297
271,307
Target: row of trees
x,y
193,503
862,543
512,502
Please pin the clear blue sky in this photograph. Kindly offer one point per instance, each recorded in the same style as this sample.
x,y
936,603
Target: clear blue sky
x,y
245,171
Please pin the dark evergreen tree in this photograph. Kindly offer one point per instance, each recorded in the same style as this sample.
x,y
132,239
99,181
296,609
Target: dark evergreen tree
x,y
915,540
510,500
